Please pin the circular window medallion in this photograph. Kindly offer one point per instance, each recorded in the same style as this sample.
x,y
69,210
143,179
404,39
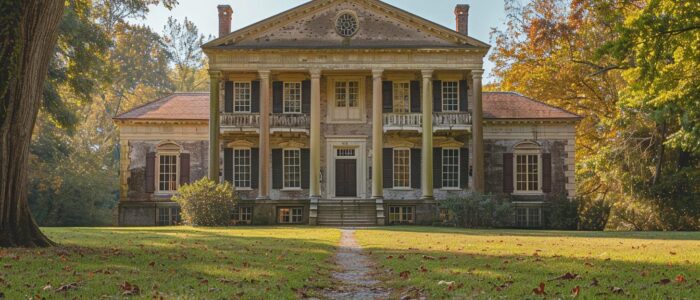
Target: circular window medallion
x,y
346,24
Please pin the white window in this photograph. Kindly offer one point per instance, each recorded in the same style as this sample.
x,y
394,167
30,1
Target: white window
x,y
529,216
292,97
291,165
401,215
241,97
290,215
242,215
527,166
169,216
167,172
402,168
450,96
450,168
345,99
402,97
241,168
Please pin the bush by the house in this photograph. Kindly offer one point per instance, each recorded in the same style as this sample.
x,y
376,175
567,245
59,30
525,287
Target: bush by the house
x,y
479,210
593,214
206,203
561,213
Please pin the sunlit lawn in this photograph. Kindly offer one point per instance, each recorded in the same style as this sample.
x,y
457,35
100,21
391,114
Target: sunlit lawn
x,y
511,263
173,262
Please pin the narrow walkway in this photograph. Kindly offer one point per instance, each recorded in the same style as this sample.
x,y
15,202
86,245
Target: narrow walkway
x,y
355,275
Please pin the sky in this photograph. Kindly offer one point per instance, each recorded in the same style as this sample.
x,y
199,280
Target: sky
x,y
483,15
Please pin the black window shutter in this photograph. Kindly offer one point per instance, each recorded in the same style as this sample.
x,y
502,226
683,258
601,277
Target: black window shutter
x,y
388,164
546,172
228,96
305,168
228,165
415,168
184,168
437,168
254,167
255,96
437,96
387,96
150,172
464,167
277,92
306,96
276,168
416,96
463,102
508,173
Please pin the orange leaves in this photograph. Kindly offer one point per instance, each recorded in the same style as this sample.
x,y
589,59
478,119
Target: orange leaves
x,y
405,274
575,291
680,279
539,290
129,289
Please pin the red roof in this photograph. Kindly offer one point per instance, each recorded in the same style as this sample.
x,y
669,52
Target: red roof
x,y
178,106
511,105
195,106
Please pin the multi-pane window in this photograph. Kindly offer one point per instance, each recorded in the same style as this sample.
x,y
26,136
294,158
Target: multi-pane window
x,y
402,168
242,215
450,168
527,172
291,165
167,173
529,216
347,93
290,215
402,97
450,96
168,216
401,215
241,97
292,97
241,168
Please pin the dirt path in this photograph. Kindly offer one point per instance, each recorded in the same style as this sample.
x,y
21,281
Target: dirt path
x,y
355,278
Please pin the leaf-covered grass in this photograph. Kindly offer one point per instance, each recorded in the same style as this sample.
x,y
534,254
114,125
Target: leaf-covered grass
x,y
511,263
173,262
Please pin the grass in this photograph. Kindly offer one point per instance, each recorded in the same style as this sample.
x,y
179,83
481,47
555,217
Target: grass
x,y
511,263
173,262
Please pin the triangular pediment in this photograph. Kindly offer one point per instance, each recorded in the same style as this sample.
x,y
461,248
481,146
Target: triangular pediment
x,y
313,26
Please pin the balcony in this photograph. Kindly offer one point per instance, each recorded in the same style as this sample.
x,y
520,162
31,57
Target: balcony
x,y
250,122
414,121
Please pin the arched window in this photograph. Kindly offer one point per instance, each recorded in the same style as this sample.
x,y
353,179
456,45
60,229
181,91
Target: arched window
x,y
527,164
167,167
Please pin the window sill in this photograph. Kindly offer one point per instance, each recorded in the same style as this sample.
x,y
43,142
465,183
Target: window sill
x,y
534,193
242,189
402,189
291,189
451,189
165,193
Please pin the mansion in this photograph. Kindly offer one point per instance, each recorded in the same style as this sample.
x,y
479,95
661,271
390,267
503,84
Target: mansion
x,y
345,112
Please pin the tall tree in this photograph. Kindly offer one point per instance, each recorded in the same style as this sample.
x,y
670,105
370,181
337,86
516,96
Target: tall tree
x,y
27,41
183,42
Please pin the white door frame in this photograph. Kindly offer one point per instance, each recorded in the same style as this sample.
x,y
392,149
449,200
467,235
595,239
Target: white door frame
x,y
359,143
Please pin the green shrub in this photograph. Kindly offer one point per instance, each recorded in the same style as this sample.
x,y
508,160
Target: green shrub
x,y
205,203
479,210
561,213
593,214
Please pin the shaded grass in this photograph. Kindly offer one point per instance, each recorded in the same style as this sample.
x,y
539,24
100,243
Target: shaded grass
x,y
511,263
173,262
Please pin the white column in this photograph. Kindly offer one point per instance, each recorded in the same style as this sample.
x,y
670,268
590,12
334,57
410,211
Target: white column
x,y
478,133
264,145
427,145
315,164
377,135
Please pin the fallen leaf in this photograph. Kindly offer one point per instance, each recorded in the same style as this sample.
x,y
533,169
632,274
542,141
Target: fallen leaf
x,y
575,291
426,257
664,281
389,257
204,282
504,286
129,289
404,274
672,253
539,290
423,269
66,287
152,264
680,279
617,290
594,282
567,276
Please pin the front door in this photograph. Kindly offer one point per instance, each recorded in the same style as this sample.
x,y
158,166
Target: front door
x,y
346,177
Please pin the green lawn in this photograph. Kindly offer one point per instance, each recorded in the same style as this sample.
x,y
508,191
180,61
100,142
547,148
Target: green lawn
x,y
174,262
511,263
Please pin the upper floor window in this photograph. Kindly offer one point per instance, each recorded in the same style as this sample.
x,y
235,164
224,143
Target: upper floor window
x,y
450,168
292,97
402,97
241,97
450,96
402,168
527,168
241,168
347,93
291,165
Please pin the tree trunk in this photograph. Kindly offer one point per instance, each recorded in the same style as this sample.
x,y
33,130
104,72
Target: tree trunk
x,y
27,43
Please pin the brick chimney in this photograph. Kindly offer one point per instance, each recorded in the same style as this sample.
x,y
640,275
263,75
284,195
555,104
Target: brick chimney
x,y
462,16
225,15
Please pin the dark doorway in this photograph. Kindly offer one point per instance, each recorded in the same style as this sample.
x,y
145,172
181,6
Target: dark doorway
x,y
346,178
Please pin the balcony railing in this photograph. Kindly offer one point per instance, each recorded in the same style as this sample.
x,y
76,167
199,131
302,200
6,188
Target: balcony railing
x,y
240,120
414,121
251,121
289,122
